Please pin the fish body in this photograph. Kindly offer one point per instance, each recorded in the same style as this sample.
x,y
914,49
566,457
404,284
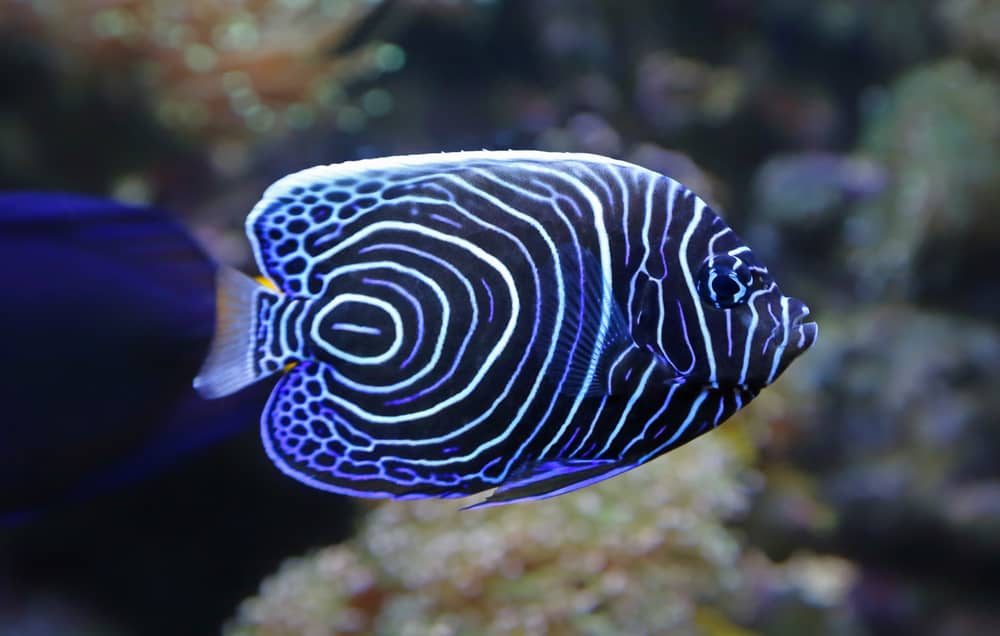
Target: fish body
x,y
526,321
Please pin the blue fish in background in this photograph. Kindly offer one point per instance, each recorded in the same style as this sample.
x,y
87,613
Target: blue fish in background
x,y
108,310
526,321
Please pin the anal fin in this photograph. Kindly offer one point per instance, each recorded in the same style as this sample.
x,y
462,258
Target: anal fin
x,y
544,479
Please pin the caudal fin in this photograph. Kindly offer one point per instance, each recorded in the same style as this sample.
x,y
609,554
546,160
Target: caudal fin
x,y
230,364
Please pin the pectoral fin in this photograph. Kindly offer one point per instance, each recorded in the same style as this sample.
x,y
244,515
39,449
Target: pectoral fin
x,y
593,332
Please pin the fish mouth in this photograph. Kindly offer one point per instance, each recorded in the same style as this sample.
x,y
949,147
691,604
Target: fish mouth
x,y
802,333
806,334
790,339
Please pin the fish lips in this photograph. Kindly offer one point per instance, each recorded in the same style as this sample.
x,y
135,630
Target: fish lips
x,y
787,341
802,333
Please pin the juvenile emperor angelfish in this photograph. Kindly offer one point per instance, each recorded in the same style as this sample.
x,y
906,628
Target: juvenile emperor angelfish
x,y
527,321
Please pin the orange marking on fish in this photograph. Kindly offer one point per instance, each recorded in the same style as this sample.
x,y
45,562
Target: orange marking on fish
x,y
266,282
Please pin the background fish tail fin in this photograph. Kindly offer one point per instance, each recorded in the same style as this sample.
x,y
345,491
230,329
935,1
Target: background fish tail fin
x,y
230,366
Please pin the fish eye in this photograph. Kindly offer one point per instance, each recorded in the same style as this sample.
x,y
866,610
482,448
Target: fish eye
x,y
725,282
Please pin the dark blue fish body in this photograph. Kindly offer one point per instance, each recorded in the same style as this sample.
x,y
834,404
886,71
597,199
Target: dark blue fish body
x,y
108,310
530,321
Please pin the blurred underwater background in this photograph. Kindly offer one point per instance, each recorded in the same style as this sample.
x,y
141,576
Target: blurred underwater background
x,y
854,144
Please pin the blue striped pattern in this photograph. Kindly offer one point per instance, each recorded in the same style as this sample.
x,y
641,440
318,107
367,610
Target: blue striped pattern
x,y
523,320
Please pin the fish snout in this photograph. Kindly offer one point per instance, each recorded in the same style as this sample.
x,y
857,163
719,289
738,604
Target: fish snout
x,y
802,332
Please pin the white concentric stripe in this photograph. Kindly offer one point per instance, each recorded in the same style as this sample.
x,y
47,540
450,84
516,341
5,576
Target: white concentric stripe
x,y
462,430
561,291
419,165
680,429
779,351
715,238
682,327
653,418
673,188
661,318
607,299
699,207
445,320
300,329
639,391
729,333
352,327
491,357
664,237
591,428
751,329
802,338
283,328
553,198
623,188
441,336
397,323
417,311
614,365
722,409
516,307
644,237
770,336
